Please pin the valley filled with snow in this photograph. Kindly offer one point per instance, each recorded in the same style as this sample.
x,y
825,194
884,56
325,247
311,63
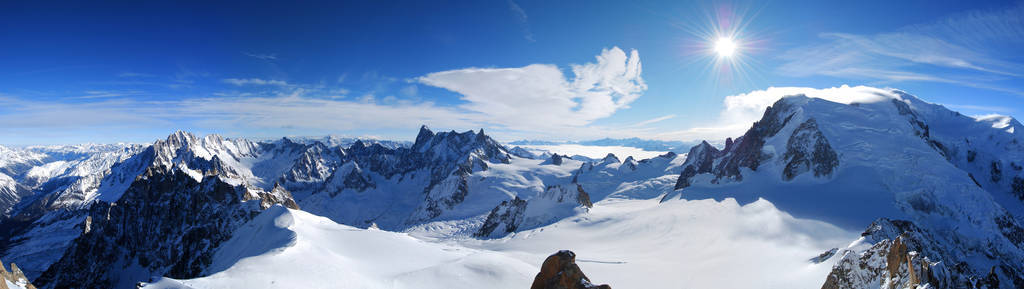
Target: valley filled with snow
x,y
630,243
594,152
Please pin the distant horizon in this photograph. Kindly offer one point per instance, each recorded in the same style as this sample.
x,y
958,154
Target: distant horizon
x,y
410,137
313,137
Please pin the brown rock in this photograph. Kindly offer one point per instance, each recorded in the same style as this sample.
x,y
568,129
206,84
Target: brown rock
x,y
560,271
15,276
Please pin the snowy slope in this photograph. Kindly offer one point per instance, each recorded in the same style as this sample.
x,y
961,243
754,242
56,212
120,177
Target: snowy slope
x,y
627,243
285,248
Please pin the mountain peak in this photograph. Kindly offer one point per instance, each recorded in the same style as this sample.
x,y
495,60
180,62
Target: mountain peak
x,y
480,137
180,137
610,157
423,136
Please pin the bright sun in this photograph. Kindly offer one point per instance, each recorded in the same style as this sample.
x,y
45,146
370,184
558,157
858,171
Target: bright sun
x,y
725,47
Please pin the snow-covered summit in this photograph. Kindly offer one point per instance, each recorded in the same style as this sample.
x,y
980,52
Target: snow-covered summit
x,y
886,154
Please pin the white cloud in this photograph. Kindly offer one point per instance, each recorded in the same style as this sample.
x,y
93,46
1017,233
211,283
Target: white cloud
x,y
539,97
253,81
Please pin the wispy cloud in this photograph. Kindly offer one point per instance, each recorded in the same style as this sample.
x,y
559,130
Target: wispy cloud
x,y
129,74
524,20
261,56
253,81
108,93
653,120
953,50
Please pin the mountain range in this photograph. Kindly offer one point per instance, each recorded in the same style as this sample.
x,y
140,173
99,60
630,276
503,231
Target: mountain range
x,y
885,191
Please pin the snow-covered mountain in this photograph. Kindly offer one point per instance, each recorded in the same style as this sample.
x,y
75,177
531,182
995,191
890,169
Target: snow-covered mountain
x,y
949,176
940,195
445,183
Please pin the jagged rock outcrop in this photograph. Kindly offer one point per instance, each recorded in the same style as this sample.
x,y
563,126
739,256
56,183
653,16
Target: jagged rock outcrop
x,y
559,271
316,163
437,165
824,256
277,195
517,214
744,152
700,160
902,255
166,222
808,150
15,276
747,152
556,159
504,218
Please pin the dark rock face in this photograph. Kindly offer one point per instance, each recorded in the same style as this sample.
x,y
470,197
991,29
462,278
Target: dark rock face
x,y
1017,187
556,159
997,171
748,147
699,161
582,197
560,271
166,222
507,216
744,152
824,256
807,149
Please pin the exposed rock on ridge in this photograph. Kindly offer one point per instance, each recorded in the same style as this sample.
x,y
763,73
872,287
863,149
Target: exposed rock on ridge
x,y
560,271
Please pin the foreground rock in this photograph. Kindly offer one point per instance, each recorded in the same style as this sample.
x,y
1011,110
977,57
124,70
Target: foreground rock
x,y
559,271
15,278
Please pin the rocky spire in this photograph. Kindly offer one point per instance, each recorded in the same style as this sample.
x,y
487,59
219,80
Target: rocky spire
x,y
423,136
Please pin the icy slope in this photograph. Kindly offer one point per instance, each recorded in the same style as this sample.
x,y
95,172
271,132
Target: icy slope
x,y
625,243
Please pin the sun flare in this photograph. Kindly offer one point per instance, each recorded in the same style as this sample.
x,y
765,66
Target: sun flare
x,y
725,47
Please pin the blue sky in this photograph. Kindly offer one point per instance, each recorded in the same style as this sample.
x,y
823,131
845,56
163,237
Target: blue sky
x,y
558,70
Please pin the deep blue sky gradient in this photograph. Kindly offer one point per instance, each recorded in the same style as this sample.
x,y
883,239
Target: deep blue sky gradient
x,y
84,52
